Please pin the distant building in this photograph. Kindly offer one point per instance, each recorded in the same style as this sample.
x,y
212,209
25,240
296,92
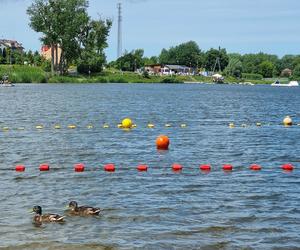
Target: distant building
x,y
46,52
12,44
160,69
176,70
154,69
286,72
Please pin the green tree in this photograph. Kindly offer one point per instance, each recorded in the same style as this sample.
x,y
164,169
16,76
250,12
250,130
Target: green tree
x,y
296,61
150,61
211,59
1,56
29,57
4,55
17,57
266,68
8,55
94,42
287,62
188,54
234,68
37,59
296,72
66,24
251,62
130,61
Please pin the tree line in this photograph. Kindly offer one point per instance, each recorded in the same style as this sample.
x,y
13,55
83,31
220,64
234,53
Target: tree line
x,y
9,56
256,66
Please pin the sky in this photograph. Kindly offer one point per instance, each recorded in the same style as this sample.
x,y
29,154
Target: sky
x,y
242,26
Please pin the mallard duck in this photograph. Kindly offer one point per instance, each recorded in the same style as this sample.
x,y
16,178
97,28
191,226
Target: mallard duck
x,y
39,218
83,210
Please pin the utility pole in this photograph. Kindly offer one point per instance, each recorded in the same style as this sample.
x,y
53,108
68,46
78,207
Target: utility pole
x,y
119,29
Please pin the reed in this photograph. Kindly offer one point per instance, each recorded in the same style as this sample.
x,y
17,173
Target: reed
x,y
23,74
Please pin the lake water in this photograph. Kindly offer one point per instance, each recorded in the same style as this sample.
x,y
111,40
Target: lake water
x,y
158,209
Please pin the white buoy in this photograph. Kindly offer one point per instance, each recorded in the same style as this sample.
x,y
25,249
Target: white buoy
x,y
287,121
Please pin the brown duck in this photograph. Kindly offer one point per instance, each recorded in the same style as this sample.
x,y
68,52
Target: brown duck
x,y
40,218
74,209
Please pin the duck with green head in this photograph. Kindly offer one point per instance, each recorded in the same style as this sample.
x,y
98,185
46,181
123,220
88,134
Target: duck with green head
x,y
39,218
74,209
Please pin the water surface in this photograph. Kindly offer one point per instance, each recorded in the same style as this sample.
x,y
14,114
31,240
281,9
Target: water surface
x,y
158,209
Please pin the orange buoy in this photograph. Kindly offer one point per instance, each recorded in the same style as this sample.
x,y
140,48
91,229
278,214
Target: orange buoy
x,y
227,167
44,167
162,142
177,167
20,168
142,168
109,168
79,167
287,167
205,167
255,167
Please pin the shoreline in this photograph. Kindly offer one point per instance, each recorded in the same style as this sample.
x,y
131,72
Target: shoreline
x,y
30,74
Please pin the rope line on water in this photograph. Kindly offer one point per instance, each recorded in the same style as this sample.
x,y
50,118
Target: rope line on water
x,y
176,167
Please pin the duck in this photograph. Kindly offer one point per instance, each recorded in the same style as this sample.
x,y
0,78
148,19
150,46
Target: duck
x,y
40,218
82,210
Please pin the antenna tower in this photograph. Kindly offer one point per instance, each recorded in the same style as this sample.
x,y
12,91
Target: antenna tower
x,y
217,62
119,30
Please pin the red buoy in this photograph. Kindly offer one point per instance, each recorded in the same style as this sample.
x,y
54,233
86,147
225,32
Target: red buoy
x,y
142,168
255,167
205,167
44,167
109,168
177,167
20,168
162,142
287,167
79,167
227,167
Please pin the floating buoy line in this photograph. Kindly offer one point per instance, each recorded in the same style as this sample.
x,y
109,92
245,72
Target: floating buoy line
x,y
176,167
151,126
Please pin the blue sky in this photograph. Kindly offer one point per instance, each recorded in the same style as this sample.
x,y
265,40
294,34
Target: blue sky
x,y
243,26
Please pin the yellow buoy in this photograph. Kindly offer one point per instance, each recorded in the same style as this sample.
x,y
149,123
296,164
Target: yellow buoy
x,y
287,121
231,125
127,123
39,127
150,125
105,125
71,126
5,129
57,126
90,126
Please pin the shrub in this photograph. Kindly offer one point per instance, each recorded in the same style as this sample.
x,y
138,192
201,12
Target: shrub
x,y
252,76
170,80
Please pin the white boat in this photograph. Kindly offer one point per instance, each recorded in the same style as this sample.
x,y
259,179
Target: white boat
x,y
290,84
7,85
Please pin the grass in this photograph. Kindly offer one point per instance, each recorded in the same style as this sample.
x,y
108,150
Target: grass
x,y
23,74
